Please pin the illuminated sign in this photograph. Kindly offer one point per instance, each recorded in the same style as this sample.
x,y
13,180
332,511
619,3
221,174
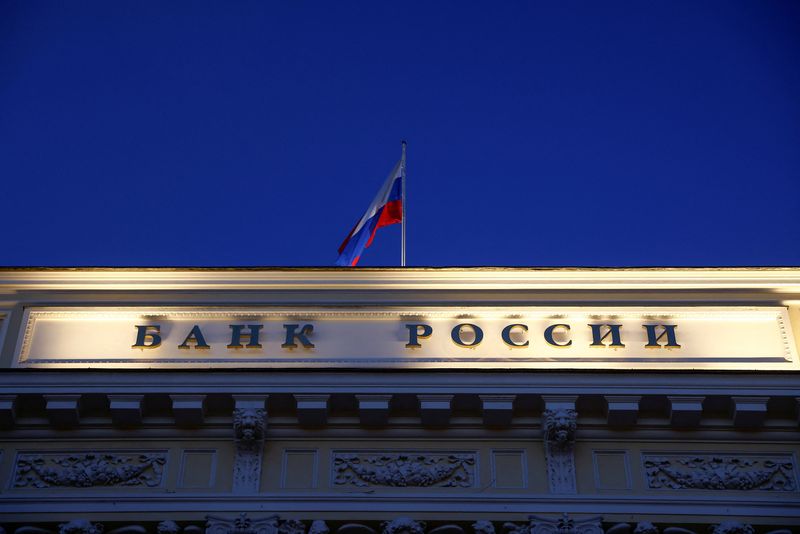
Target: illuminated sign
x,y
477,338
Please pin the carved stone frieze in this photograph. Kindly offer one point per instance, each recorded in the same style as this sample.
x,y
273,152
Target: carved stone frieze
x,y
168,527
483,527
558,428
403,525
85,470
248,429
732,527
645,527
241,525
721,472
404,469
80,526
292,526
561,525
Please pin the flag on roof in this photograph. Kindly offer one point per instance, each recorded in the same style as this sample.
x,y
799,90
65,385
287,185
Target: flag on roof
x,y
385,209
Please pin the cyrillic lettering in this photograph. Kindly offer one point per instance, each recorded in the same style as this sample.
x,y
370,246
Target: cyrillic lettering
x,y
613,330
548,335
145,333
302,336
455,334
252,336
196,337
506,335
653,340
416,331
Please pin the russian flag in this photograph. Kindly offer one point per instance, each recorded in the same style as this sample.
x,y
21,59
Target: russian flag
x,y
385,209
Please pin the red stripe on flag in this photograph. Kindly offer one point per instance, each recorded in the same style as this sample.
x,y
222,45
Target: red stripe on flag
x,y
392,213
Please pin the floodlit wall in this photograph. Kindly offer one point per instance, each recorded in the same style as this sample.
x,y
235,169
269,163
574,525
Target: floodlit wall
x,y
127,436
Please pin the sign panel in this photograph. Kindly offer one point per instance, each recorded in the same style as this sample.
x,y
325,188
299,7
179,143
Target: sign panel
x,y
718,338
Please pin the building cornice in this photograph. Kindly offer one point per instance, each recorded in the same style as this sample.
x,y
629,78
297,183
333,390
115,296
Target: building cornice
x,y
778,280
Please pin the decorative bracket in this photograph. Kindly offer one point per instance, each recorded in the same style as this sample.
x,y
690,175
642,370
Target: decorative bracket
x,y
559,421
249,429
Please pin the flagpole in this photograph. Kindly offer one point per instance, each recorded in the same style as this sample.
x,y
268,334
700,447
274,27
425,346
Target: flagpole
x,y
403,203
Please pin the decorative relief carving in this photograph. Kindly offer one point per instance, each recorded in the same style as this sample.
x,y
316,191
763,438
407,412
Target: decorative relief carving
x,y
292,526
483,527
718,472
732,527
248,424
248,428
558,428
645,527
404,469
241,525
80,526
168,527
562,525
89,469
403,525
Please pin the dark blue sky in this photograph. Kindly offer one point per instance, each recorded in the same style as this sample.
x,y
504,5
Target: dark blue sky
x,y
540,134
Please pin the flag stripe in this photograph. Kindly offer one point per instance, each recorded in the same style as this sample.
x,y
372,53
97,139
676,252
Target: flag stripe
x,y
386,208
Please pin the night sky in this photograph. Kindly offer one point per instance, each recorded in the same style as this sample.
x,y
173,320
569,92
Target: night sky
x,y
539,133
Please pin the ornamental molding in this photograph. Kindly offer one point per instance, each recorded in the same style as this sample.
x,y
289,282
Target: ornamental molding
x,y
80,526
249,426
403,525
732,527
421,469
483,527
241,525
558,429
291,526
90,469
720,472
167,527
562,525
782,280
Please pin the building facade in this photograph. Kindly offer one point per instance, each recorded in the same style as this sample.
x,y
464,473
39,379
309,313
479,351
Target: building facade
x,y
415,401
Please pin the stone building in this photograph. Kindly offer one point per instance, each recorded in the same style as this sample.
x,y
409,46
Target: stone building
x,y
414,401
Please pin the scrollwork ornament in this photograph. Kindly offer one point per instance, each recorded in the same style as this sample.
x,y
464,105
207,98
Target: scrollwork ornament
x,y
403,525
89,469
80,526
483,527
242,524
558,429
292,526
404,469
249,426
732,527
645,527
714,472
561,525
565,525
168,527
